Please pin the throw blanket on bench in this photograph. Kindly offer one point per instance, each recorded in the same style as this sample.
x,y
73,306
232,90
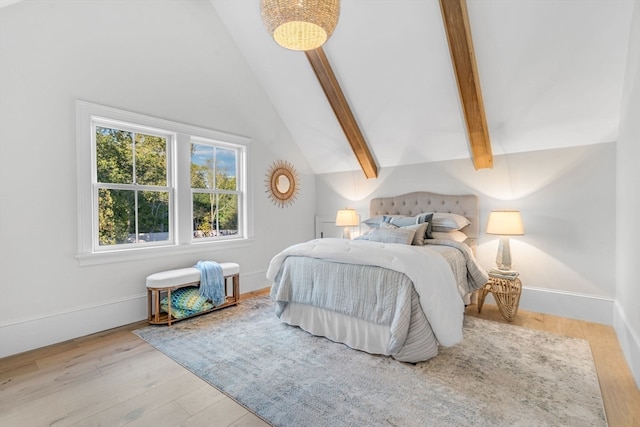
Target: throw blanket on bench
x,y
211,282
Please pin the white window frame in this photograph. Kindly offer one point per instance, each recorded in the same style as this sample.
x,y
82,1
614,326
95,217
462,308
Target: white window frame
x,y
178,160
238,191
169,187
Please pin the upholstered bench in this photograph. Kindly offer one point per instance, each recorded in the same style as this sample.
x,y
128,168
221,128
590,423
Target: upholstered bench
x,y
163,283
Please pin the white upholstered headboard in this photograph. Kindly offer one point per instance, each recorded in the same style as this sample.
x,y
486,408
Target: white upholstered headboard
x,y
412,204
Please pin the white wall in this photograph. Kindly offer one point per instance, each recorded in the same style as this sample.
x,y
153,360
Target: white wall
x,y
567,200
174,61
627,310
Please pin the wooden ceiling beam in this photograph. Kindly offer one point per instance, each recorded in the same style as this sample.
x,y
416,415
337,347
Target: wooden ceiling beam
x,y
456,23
338,102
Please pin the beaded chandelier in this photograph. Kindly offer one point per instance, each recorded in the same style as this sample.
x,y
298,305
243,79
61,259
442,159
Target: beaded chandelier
x,y
300,24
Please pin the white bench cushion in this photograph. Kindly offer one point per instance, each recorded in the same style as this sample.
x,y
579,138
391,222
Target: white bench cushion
x,y
229,268
184,276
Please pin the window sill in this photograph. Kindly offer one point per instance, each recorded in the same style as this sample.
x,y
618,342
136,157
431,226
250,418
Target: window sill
x,y
98,258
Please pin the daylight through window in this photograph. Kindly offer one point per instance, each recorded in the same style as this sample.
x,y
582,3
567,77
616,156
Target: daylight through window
x,y
214,187
132,186
145,182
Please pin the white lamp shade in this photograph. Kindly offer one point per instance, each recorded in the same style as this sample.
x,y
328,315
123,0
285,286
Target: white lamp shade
x,y
346,218
505,223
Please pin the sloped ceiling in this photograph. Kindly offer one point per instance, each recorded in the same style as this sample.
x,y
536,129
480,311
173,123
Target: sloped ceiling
x,y
551,74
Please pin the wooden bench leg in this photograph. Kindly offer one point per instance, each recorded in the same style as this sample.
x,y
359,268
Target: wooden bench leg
x,y
149,305
236,288
156,304
169,306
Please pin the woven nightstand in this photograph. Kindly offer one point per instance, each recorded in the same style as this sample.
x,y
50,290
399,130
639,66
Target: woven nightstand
x,y
506,292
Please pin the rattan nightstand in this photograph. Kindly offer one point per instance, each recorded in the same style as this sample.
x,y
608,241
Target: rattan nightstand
x,y
506,292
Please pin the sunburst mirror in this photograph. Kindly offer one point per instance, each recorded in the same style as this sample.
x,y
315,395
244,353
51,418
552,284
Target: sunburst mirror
x,y
282,183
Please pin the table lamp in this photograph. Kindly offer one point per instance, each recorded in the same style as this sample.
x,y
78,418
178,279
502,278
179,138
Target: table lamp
x,y
346,218
505,223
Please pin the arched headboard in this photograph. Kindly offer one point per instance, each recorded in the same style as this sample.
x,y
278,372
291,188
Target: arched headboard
x,y
412,204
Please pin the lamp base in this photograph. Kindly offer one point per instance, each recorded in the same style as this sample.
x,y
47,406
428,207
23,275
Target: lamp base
x,y
503,258
346,234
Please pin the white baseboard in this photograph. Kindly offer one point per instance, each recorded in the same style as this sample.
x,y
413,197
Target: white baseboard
x,y
28,334
629,341
565,304
39,331
255,281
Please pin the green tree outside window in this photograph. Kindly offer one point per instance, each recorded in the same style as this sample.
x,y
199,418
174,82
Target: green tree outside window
x,y
133,199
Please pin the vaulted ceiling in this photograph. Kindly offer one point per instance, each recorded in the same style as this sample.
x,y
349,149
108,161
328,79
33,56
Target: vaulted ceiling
x,y
551,74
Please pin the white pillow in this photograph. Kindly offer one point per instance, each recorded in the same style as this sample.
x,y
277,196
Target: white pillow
x,y
448,222
456,235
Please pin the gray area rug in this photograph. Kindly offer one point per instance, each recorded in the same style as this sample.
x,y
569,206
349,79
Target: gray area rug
x,y
500,375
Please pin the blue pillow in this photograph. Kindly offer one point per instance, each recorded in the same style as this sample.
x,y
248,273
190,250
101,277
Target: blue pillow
x,y
374,222
427,217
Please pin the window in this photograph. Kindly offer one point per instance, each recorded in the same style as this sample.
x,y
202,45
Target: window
x,y
214,188
147,183
133,185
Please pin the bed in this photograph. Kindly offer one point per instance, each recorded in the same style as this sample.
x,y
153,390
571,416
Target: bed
x,y
397,290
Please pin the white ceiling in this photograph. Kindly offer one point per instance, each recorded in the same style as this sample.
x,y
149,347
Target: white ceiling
x,y
551,74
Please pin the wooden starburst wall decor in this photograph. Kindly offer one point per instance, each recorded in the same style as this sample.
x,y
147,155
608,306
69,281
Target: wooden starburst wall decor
x,y
283,183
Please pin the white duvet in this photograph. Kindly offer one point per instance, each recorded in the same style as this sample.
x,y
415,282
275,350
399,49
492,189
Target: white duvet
x,y
431,275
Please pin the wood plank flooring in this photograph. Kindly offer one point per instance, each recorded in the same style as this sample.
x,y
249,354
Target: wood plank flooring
x,y
114,378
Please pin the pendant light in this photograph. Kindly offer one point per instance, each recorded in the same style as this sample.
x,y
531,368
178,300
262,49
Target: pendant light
x,y
300,24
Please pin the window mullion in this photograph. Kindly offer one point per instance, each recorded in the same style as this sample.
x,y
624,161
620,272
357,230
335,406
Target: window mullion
x,y
135,212
184,197
217,216
134,174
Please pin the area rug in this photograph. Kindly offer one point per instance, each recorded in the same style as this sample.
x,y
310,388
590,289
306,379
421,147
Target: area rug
x,y
500,375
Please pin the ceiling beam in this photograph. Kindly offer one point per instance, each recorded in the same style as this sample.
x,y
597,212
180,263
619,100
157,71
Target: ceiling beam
x,y
456,23
332,90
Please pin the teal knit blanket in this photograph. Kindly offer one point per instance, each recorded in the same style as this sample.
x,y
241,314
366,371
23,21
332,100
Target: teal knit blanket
x,y
211,282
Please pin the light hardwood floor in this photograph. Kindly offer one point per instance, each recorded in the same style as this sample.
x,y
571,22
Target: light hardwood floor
x,y
114,378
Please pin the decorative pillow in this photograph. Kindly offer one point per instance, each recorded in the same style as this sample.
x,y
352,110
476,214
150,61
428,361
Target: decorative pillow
x,y
428,218
181,313
388,225
449,222
400,220
374,222
389,235
188,298
404,221
420,231
456,235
